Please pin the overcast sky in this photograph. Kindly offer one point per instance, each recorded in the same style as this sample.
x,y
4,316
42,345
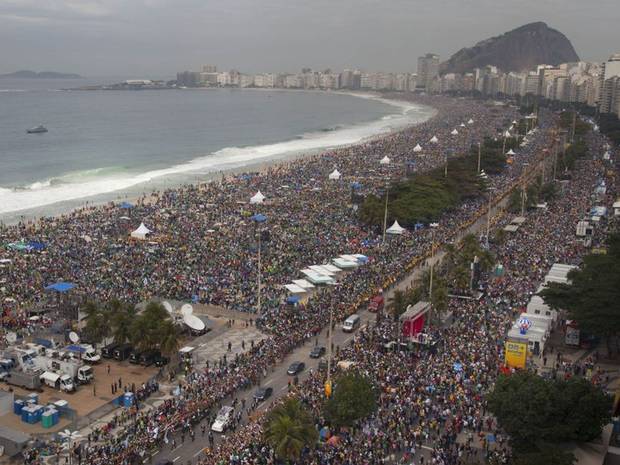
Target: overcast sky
x,y
155,38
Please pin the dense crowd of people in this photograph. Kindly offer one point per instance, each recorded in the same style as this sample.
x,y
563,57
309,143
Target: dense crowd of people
x,y
204,241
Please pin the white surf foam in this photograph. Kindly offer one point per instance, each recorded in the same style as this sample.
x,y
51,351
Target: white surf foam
x,y
82,185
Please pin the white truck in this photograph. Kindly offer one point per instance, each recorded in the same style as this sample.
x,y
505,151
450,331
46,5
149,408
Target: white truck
x,y
57,381
84,352
81,373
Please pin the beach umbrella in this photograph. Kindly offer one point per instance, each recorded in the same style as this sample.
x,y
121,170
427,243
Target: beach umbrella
x,y
434,140
385,160
396,229
335,175
257,198
417,148
454,132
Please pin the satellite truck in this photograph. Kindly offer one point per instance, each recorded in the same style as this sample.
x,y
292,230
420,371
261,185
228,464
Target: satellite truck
x,y
84,352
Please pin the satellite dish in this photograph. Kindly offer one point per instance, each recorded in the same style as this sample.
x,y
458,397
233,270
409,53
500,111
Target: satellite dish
x,y
11,338
194,322
167,306
187,310
73,337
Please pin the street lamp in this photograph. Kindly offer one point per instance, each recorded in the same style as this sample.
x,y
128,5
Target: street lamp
x,y
258,219
430,286
385,161
523,188
71,437
479,155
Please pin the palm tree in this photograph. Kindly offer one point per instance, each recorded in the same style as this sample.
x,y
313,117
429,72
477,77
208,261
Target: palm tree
x,y
121,322
289,429
169,339
397,305
97,326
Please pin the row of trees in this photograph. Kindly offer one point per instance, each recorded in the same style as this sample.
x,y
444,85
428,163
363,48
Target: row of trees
x,y
425,196
150,329
591,299
290,427
539,414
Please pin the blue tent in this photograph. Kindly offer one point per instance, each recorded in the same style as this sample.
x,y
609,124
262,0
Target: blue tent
x,y
60,287
126,206
36,245
418,226
356,185
293,299
259,218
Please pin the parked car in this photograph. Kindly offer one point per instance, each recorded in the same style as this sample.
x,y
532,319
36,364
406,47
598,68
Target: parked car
x,y
108,351
122,352
323,364
134,357
263,393
296,368
160,360
317,352
149,357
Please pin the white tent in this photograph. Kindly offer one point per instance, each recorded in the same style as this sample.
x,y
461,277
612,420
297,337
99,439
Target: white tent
x,y
510,152
454,132
303,283
385,160
395,229
434,140
141,232
335,175
462,125
507,134
471,121
417,148
257,198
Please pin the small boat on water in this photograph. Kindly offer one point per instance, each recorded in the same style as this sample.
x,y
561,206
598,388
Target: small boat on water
x,y
37,130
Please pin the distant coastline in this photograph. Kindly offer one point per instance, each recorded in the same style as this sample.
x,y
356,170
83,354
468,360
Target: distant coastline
x,y
27,74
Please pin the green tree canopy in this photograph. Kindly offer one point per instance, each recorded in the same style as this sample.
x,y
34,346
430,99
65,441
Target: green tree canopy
x,y
353,397
289,429
593,295
532,409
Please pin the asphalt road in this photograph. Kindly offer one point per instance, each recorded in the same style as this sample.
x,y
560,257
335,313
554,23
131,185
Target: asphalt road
x,y
277,379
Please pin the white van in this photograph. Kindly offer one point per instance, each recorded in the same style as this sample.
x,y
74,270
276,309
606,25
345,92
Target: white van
x,y
57,381
223,419
351,323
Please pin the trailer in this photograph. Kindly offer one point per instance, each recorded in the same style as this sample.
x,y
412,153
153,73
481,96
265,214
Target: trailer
x,y
81,373
26,379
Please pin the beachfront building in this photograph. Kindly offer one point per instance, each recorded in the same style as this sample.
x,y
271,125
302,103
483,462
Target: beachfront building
x,y
428,70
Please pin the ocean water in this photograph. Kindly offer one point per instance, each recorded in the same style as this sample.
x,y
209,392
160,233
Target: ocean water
x,y
105,145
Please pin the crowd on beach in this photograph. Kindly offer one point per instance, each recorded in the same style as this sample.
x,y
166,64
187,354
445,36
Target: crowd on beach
x,y
434,400
204,245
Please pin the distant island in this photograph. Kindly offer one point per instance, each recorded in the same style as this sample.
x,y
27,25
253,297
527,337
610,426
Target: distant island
x,y
26,74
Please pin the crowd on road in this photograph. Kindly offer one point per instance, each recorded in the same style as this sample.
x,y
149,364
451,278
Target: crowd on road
x,y
432,403
202,245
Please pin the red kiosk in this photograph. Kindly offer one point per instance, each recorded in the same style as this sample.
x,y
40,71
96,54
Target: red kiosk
x,y
413,319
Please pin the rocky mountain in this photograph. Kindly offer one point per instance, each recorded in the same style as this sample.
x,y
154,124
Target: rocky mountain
x,y
26,74
517,50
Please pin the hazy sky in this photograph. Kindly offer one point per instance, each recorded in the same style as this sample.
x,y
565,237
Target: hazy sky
x,y
144,38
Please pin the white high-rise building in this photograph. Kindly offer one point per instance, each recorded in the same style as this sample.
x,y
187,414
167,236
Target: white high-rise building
x,y
428,70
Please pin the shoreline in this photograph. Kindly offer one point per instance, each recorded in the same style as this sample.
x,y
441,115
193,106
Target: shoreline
x,y
133,193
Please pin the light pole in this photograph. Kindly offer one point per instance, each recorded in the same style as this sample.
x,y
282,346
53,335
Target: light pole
x,y
258,219
329,348
479,154
523,188
71,437
385,213
430,285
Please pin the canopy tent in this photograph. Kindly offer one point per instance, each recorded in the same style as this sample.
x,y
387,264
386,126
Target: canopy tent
x,y
434,140
361,258
385,160
462,125
345,264
507,134
293,299
60,286
125,206
141,232
396,229
454,132
303,283
259,218
510,152
257,198
316,278
335,175
471,121
36,245
417,148
321,270
295,289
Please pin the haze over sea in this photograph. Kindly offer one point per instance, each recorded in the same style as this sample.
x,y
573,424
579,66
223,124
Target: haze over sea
x,y
106,145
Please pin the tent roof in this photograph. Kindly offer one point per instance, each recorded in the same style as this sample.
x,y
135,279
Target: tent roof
x,y
396,229
295,289
510,152
257,198
142,229
454,132
434,139
335,174
303,283
60,287
417,148
385,160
